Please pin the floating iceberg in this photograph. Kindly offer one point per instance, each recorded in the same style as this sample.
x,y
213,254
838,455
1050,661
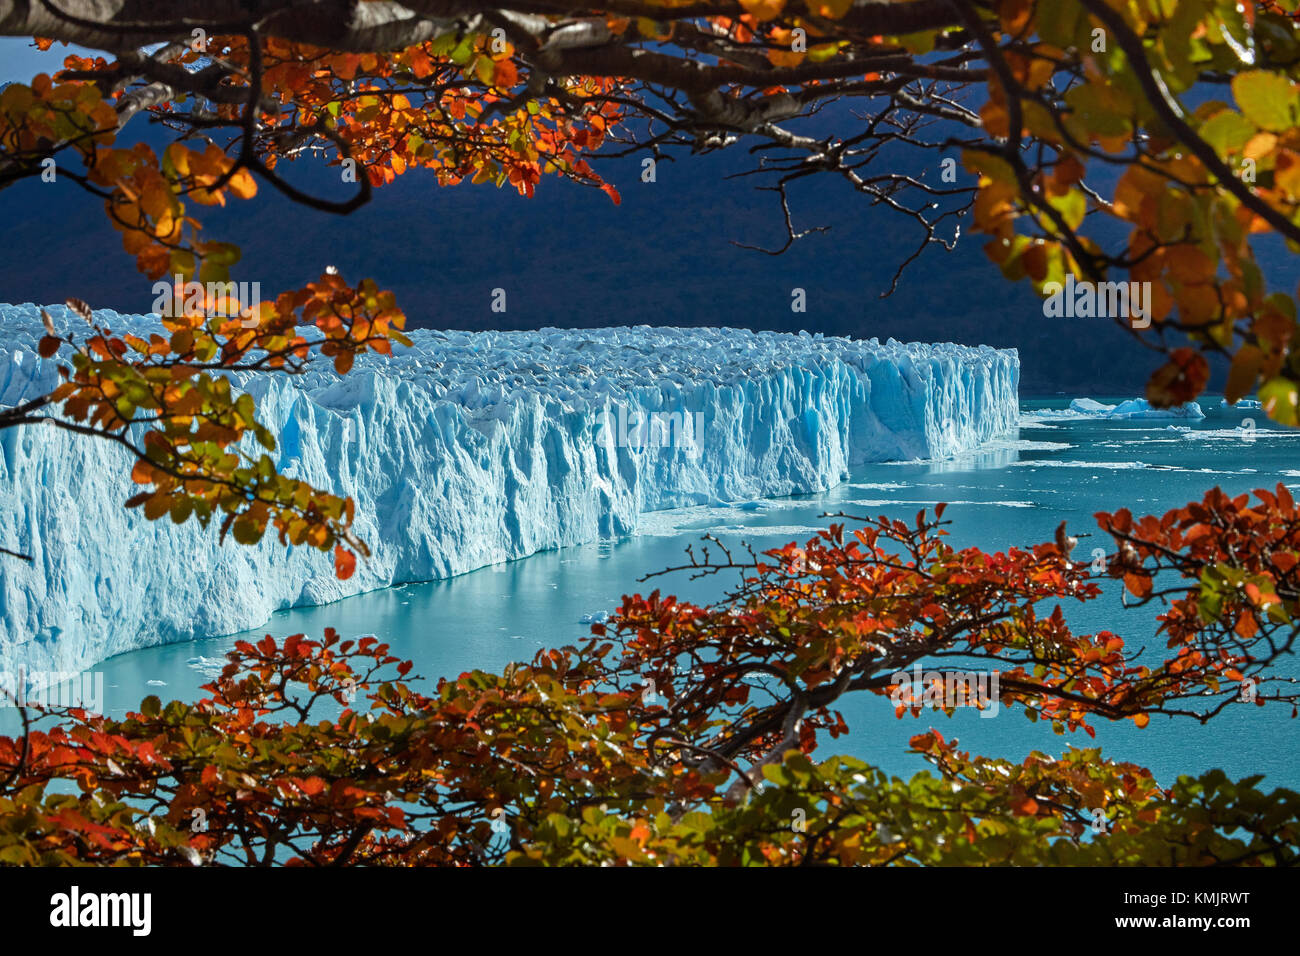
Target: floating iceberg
x,y
1136,408
1132,410
1091,408
466,450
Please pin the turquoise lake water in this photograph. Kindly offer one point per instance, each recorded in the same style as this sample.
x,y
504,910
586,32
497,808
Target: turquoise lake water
x,y
1013,493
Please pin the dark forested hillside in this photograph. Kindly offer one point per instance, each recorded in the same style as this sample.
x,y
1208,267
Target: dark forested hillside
x,y
665,256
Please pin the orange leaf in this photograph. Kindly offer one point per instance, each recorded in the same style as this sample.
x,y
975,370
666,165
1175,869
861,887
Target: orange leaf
x,y
504,75
345,563
1139,585
763,9
243,185
1179,380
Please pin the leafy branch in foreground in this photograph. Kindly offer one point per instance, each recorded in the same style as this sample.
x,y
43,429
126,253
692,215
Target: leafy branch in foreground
x,y
1114,141
169,401
693,734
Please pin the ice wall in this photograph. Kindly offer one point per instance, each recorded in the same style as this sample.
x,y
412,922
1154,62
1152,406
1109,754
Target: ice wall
x,y
466,450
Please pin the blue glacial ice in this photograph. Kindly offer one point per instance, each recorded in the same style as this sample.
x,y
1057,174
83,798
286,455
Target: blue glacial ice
x,y
467,450
1140,408
1134,409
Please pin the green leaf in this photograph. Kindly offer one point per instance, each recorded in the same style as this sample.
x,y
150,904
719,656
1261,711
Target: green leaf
x,y
221,253
463,52
1058,23
1098,109
1267,99
1279,398
246,530
182,263
18,855
1073,206
182,508
919,43
443,44
1227,132
213,272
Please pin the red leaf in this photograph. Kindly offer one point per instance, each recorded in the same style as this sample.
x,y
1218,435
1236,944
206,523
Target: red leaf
x,y
345,562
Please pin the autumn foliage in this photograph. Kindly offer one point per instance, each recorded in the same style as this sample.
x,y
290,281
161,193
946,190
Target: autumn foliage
x,y
191,456
692,734
1082,154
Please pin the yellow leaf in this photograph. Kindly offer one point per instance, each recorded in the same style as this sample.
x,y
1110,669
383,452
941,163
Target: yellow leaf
x,y
1260,145
243,185
1287,172
784,57
763,9
179,157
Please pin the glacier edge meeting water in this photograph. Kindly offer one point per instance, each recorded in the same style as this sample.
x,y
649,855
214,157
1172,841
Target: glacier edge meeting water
x,y
466,450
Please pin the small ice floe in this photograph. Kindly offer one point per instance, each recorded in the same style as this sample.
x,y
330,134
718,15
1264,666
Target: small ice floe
x,y
885,502
208,666
1140,408
749,532
1088,406
156,683
1110,465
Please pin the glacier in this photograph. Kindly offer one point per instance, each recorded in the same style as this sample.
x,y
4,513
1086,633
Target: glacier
x,y
468,449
